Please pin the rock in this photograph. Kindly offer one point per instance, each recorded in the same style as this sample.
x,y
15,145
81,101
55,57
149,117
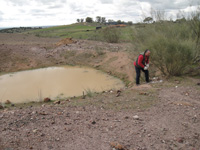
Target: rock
x,y
67,100
57,102
163,141
43,105
127,117
47,100
7,102
35,130
180,139
143,93
93,122
136,117
118,93
1,107
186,94
117,146
43,113
196,136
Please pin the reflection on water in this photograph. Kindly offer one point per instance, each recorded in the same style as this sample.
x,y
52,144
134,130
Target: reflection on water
x,y
54,82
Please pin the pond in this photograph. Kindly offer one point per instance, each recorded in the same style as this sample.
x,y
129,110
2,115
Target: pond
x,y
54,82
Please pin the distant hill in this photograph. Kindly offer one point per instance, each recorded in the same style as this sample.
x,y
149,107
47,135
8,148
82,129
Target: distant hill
x,y
18,30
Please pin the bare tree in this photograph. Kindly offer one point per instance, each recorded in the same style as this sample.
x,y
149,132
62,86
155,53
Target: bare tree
x,y
158,15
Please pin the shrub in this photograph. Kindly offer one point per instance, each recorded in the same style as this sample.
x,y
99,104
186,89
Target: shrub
x,y
111,35
170,56
171,46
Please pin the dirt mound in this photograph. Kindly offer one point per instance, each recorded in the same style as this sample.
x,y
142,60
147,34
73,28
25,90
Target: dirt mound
x,y
65,41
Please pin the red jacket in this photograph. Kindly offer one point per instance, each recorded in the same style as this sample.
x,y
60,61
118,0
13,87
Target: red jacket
x,y
140,60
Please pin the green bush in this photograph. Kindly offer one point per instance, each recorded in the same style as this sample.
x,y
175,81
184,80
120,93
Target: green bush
x,y
171,45
170,56
111,34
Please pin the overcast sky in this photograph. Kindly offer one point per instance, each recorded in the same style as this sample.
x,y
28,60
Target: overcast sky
x,y
15,13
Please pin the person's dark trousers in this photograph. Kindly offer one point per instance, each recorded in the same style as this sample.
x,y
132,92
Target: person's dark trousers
x,y
138,70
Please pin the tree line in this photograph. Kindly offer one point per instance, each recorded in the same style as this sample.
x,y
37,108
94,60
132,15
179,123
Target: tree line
x,y
103,20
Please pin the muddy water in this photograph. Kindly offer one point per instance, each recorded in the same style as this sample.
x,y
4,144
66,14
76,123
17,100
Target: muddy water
x,y
55,83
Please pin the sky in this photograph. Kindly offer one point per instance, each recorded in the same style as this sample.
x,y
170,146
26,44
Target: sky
x,y
21,13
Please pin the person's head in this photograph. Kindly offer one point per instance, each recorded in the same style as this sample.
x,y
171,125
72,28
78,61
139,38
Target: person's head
x,y
147,52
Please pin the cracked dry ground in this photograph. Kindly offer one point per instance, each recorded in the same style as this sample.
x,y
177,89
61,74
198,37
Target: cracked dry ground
x,y
168,119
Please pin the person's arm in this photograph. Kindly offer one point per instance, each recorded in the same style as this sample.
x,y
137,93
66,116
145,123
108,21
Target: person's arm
x,y
140,58
148,61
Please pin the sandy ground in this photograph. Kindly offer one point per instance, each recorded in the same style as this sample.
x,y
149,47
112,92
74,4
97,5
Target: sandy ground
x,y
156,116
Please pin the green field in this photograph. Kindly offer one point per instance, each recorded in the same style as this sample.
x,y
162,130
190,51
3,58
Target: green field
x,y
79,31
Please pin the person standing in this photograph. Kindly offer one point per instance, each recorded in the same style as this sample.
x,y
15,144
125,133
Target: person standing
x,y
142,63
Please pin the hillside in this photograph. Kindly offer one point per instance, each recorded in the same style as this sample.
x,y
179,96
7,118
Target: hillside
x,y
78,30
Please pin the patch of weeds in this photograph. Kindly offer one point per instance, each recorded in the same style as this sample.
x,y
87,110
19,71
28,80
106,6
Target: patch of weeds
x,y
60,97
89,92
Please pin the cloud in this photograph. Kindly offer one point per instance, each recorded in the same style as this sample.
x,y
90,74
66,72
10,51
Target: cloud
x,y
55,6
83,8
18,2
106,1
169,4
37,12
39,2
1,16
51,12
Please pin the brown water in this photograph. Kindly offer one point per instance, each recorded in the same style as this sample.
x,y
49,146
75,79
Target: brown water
x,y
55,83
